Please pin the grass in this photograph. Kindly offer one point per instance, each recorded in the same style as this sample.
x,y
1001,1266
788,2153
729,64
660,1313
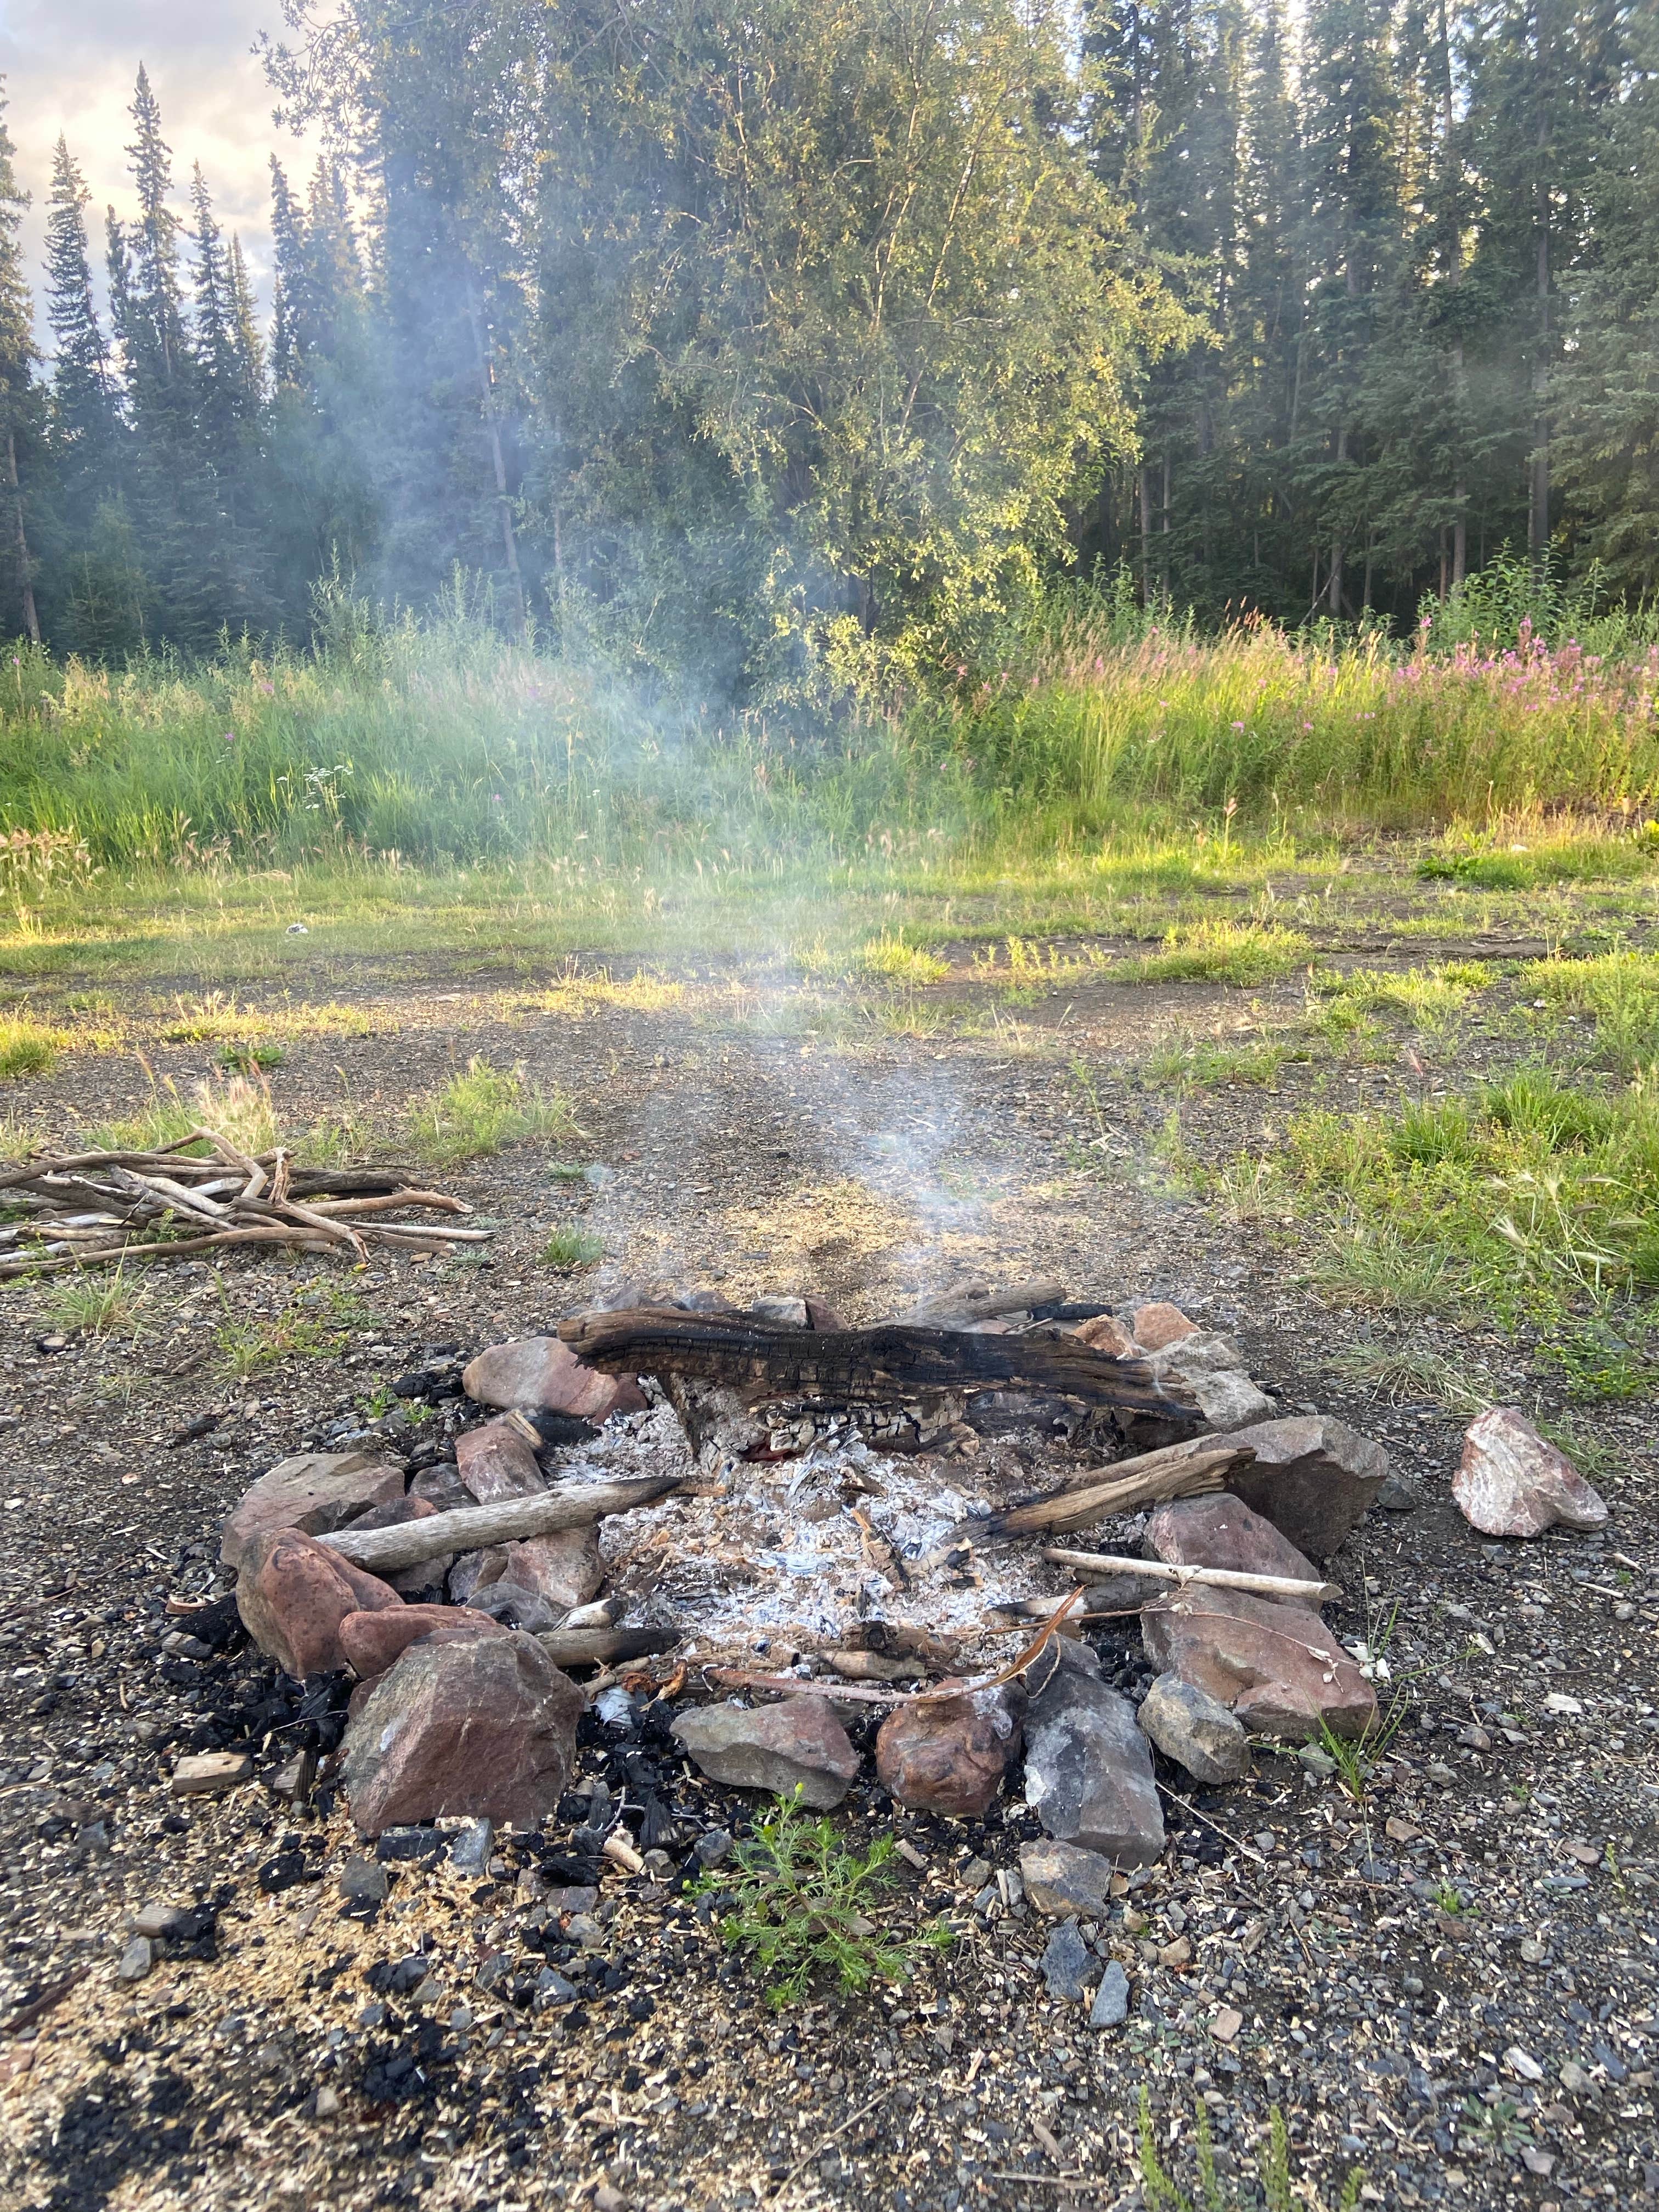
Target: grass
x,y
801,1901
219,1017
1431,999
890,956
1530,1199
1414,1370
478,1111
1186,1062
235,1106
1221,951
1272,2188
95,1304
571,1248
1617,992
314,1325
28,1046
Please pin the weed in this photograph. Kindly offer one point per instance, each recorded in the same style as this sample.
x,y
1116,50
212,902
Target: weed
x,y
1430,998
380,1401
250,1059
28,1046
218,1019
564,1171
1414,1370
1601,1463
1494,2127
238,1107
571,1248
480,1109
315,1325
96,1303
1617,992
1213,951
889,955
1162,2193
798,1896
1600,1366
1186,1062
1450,1900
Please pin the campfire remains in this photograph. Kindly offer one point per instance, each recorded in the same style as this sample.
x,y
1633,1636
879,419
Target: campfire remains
x,y
823,1519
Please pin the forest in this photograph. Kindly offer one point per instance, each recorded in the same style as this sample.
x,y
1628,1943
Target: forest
x,y
744,350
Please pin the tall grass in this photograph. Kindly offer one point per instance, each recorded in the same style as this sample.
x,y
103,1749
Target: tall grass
x,y
442,743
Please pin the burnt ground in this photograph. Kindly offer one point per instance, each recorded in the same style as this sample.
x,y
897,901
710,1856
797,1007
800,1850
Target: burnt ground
x,y
1450,1983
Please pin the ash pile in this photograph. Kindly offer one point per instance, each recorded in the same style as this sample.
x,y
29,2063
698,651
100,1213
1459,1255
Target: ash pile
x,y
768,1522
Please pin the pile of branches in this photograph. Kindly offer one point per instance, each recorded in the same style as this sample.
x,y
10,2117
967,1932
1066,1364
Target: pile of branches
x,y
102,1208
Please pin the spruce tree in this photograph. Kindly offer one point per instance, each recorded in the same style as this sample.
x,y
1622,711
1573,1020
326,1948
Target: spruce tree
x,y
82,375
20,413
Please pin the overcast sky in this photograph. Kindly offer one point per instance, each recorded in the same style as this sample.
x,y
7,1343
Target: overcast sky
x,y
69,66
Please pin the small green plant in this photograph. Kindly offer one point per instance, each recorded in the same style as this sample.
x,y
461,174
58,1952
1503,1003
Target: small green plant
x,y
890,955
571,1248
1449,1900
1599,1364
381,1401
1186,1062
314,1325
1494,2126
28,1046
799,1898
565,1171
1162,2193
250,1059
96,1303
1221,952
479,1111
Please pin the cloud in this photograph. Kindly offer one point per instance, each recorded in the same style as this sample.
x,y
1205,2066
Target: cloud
x,y
69,66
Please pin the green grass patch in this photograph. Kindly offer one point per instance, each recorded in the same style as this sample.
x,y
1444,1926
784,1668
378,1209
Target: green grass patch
x,y
315,1325
99,1303
891,956
28,1046
802,1905
571,1248
1521,864
1617,992
1186,1062
1429,998
479,1111
235,1106
1528,1199
1221,951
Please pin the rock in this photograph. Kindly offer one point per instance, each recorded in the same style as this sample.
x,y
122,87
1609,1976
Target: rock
x,y
1195,1729
1106,1333
1068,1965
566,1568
796,1745
469,1851
1158,1325
1061,1881
1313,1477
950,1757
486,1726
364,1880
1396,1495
789,1313
372,1642
524,1609
475,1570
1276,1667
441,1487
821,1315
292,1781
1088,1771
136,1960
157,1920
1111,2005
494,1461
325,2102
1513,1482
292,1593
1211,1369
409,1581
1222,1532
315,1492
211,1773
539,1374
713,1848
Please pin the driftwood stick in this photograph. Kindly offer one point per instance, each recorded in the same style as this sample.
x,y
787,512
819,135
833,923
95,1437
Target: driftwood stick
x,y
602,1647
508,1521
170,1248
1179,1472
981,1302
1107,1563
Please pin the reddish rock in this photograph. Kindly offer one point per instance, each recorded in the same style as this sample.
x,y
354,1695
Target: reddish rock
x,y
1276,1665
539,1374
494,1461
1314,1478
1513,1482
950,1757
372,1642
293,1593
797,1745
1106,1333
315,1492
1158,1325
485,1726
476,1570
821,1315
566,1568
1222,1532
429,1573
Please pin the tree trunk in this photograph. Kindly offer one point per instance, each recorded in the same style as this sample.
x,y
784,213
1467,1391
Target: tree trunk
x,y
1336,542
1538,520
492,425
31,619
1145,487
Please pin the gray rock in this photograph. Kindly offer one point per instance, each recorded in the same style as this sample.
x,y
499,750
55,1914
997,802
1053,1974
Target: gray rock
x,y
1060,1880
363,1880
156,1920
713,1848
522,1609
1111,2005
791,1312
1397,1495
1068,1965
1088,1771
616,1709
797,1745
473,1844
1196,1729
552,1989
136,1960
1313,1478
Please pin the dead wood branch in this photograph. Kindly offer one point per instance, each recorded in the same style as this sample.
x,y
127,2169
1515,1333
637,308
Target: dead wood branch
x,y
604,1647
1184,1470
508,1521
1108,1563
842,1367
983,1302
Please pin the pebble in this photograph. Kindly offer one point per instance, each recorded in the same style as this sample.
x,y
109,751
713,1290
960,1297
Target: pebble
x,y
1061,1880
156,1920
471,1846
1068,1965
1111,2005
137,1959
210,1773
363,1880
1196,1729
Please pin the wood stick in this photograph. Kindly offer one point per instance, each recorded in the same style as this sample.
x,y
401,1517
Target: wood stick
x,y
1177,1472
510,1521
602,1647
980,1301
1107,1563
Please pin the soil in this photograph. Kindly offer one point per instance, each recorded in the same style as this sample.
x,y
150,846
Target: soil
x,y
1447,1982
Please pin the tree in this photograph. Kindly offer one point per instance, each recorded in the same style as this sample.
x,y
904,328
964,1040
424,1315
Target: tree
x,y
19,399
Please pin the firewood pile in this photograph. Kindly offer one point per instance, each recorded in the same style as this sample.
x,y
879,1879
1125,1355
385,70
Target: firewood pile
x,y
103,1208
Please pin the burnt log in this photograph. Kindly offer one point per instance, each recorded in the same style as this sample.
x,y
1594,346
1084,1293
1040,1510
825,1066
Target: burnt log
x,y
764,1360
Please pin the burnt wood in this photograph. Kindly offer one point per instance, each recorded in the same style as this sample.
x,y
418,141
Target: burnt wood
x,y
768,1360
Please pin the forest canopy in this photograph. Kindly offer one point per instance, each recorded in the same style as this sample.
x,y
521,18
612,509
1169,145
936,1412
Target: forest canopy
x,y
735,346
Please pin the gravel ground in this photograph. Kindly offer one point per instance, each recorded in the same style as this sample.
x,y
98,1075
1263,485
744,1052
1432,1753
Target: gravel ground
x,y
1450,1984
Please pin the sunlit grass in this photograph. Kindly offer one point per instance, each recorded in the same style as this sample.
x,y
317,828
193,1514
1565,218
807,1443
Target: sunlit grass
x,y
1221,951
892,958
1619,992
237,1107
478,1111
568,1247
28,1046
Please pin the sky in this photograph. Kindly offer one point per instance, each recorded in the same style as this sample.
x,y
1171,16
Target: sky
x,y
69,66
